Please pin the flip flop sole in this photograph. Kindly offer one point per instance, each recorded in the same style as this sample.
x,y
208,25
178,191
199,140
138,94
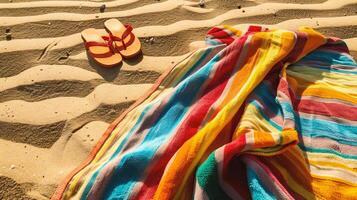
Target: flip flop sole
x,y
109,61
132,50
91,35
115,27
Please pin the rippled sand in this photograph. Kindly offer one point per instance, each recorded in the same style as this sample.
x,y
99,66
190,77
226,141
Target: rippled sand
x,y
55,104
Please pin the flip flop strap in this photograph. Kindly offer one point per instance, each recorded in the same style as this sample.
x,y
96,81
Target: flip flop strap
x,y
108,43
126,33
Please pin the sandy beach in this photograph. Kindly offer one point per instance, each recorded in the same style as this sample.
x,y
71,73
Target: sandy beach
x,y
55,103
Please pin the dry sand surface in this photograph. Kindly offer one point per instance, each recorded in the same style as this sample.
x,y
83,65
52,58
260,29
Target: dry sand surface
x,y
55,104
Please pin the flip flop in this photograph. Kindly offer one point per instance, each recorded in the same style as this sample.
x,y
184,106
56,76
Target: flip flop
x,y
100,48
125,41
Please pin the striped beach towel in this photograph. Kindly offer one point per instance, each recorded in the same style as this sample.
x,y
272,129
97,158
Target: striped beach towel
x,y
260,114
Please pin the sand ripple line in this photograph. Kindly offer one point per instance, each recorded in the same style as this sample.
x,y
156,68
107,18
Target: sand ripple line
x,y
51,4
111,4
65,108
148,63
149,31
150,8
47,166
46,73
352,43
262,9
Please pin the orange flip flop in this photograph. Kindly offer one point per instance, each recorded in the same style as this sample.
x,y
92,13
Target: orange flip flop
x,y
125,41
100,48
